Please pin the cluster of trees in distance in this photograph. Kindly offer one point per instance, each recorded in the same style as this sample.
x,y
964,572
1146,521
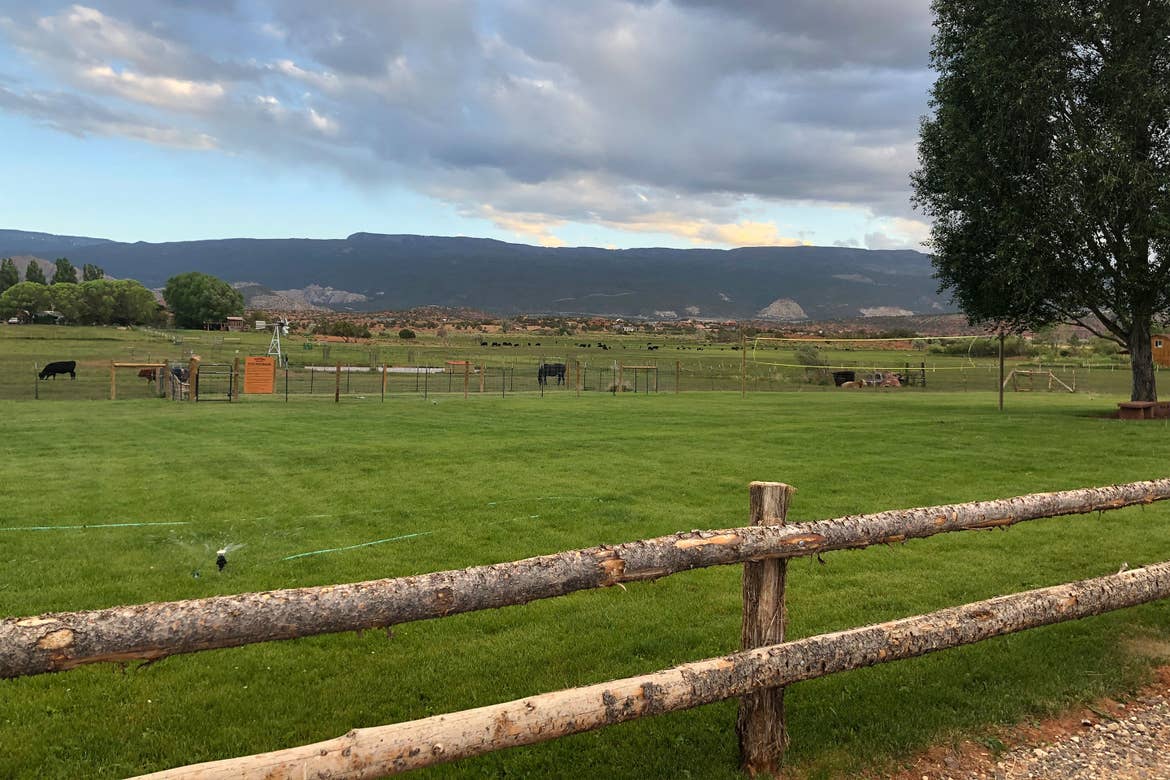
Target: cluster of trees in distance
x,y
94,300
193,298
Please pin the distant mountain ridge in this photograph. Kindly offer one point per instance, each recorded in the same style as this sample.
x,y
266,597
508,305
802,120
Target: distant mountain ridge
x,y
369,271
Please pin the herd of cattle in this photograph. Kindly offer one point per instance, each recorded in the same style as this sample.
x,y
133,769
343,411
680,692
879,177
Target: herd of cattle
x,y
544,373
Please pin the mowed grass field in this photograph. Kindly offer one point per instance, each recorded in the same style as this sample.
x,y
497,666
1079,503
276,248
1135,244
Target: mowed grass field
x,y
447,483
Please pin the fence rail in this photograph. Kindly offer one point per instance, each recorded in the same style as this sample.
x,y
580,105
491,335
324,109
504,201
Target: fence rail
x,y
386,750
60,641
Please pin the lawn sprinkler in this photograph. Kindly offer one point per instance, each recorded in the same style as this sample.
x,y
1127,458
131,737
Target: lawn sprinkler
x,y
222,553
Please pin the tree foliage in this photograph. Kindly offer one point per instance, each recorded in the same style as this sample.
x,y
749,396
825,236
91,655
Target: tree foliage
x,y
34,273
24,299
195,298
343,328
91,272
66,298
1045,166
8,274
65,272
105,302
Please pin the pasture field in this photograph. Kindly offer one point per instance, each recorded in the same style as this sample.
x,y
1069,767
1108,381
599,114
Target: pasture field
x,y
445,483
687,363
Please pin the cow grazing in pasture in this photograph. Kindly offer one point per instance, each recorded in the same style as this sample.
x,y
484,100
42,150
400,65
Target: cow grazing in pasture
x,y
59,367
149,374
548,370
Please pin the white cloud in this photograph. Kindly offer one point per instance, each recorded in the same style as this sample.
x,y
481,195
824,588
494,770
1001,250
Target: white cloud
x,y
899,233
649,117
161,91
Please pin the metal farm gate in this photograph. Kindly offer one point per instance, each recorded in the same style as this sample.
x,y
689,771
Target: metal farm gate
x,y
215,382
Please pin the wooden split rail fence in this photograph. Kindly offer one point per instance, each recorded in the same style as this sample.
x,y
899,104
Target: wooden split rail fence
x,y
757,674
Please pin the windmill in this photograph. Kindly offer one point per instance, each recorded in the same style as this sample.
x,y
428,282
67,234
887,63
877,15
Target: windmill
x,y
278,327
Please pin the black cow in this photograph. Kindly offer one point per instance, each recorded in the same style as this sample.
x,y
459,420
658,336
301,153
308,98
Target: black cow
x,y
548,370
59,367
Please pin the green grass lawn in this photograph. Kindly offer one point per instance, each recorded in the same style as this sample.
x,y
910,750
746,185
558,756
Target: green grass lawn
x,y
453,483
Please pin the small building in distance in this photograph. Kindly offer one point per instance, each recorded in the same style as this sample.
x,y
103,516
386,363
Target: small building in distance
x,y
1160,346
236,323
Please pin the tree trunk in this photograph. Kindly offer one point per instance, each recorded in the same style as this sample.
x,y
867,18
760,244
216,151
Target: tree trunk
x,y
383,750
1141,354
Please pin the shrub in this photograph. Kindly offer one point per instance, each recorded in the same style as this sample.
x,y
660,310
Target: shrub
x,y
406,333
816,366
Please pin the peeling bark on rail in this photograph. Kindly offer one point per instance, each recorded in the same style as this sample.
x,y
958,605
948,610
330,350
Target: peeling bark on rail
x,y
384,750
59,641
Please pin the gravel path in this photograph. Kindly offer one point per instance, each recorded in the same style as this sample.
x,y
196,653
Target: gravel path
x,y
1111,740
1133,746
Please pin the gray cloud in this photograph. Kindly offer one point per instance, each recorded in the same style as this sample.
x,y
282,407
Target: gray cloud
x,y
621,113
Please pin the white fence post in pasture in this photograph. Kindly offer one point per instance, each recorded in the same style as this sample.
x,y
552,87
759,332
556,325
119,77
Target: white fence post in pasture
x,y
762,732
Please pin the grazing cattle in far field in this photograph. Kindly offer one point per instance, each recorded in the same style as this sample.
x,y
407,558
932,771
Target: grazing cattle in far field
x,y
548,370
59,367
149,374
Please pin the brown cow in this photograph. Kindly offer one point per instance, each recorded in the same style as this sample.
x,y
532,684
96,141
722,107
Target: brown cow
x,y
149,374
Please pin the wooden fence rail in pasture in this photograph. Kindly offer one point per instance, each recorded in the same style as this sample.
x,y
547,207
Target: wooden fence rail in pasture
x,y
64,640
59,641
384,750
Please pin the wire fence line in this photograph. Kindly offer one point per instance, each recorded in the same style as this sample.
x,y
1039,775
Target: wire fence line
x,y
433,370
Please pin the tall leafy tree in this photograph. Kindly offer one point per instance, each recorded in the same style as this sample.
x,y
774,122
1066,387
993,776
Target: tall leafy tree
x,y
8,274
34,273
91,272
99,300
67,298
1045,166
24,299
65,273
133,303
195,298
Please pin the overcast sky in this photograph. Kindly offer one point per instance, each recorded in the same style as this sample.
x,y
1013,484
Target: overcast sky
x,y
578,122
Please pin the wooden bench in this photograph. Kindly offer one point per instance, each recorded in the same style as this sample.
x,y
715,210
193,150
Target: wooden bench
x,y
1136,410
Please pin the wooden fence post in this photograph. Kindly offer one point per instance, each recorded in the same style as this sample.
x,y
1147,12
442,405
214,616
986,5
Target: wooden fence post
x,y
762,732
113,382
743,368
337,386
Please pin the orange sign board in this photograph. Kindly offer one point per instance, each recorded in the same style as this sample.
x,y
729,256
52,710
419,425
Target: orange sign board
x,y
260,375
